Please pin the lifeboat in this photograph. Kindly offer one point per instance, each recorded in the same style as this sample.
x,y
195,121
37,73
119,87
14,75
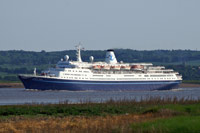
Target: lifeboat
x,y
42,74
125,67
96,67
105,67
115,67
137,67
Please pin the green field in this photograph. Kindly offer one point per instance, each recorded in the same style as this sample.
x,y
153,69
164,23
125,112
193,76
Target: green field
x,y
108,108
177,124
148,115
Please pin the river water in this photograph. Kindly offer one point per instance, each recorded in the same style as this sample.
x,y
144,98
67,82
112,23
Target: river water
x,y
12,96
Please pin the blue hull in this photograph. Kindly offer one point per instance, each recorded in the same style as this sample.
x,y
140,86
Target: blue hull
x,y
78,85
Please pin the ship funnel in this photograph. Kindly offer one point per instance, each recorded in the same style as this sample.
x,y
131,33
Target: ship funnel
x,y
110,57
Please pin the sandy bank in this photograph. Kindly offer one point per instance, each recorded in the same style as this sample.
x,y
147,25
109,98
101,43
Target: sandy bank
x,y
11,85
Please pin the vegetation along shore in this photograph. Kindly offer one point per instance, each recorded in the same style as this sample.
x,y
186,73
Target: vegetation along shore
x,y
15,62
154,114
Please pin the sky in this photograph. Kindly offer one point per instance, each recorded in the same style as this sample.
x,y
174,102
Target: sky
x,y
54,25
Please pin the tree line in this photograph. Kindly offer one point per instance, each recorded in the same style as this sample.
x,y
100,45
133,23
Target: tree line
x,y
126,55
14,62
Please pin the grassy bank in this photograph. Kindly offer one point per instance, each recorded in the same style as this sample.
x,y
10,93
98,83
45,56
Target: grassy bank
x,y
148,115
111,107
177,124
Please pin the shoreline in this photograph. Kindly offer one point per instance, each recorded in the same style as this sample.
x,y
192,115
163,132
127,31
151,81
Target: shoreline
x,y
11,85
188,85
20,85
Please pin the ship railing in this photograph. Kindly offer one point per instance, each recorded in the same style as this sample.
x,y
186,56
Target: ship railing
x,y
117,72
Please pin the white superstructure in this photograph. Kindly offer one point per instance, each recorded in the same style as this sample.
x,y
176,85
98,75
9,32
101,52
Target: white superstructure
x,y
110,70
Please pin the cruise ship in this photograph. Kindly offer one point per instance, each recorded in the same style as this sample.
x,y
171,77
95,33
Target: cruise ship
x,y
109,75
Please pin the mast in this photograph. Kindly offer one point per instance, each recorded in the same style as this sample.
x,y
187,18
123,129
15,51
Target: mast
x,y
78,53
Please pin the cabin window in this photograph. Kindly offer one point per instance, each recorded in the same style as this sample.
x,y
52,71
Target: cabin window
x,y
98,75
128,75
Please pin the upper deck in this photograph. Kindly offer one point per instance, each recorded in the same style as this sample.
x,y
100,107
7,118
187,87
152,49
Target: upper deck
x,y
110,69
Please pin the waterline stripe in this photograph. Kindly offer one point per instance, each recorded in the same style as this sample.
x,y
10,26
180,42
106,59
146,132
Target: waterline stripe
x,y
107,83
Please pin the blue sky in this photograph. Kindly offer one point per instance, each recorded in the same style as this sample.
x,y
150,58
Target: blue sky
x,y
54,25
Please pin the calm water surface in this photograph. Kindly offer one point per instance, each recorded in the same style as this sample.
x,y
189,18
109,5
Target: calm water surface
x,y
9,96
